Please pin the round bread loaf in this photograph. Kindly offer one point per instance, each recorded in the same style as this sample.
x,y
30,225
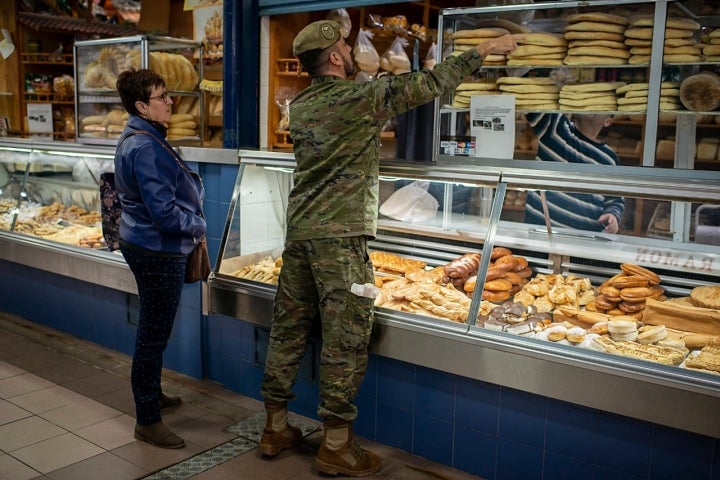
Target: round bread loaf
x,y
541,38
593,60
596,43
711,50
701,92
525,81
595,27
706,296
581,35
593,87
680,42
597,17
600,51
481,33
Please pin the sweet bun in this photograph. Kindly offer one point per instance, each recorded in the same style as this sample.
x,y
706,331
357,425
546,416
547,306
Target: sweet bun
x,y
492,296
629,281
498,284
635,294
498,252
633,269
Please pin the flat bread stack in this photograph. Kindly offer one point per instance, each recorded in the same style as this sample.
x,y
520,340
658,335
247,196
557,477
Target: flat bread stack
x,y
711,50
680,46
466,39
596,96
531,93
465,90
634,97
596,39
538,48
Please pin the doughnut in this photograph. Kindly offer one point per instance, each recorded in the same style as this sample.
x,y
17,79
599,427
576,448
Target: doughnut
x,y
633,269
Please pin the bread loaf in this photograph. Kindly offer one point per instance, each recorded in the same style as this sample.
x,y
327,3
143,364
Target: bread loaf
x,y
701,92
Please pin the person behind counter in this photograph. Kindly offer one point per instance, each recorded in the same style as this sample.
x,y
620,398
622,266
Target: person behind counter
x,y
332,212
160,224
576,141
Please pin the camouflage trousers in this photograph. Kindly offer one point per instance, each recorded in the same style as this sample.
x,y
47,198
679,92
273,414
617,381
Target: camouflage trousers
x,y
315,280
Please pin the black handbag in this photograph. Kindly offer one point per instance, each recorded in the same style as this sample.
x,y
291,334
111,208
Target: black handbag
x,y
110,211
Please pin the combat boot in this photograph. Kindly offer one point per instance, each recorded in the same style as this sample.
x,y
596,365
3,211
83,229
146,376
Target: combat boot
x,y
340,452
278,434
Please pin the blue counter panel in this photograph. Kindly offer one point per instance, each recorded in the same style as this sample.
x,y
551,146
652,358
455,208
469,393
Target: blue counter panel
x,y
494,432
102,315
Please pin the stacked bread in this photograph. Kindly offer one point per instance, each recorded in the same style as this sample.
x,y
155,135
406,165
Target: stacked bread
x,y
711,50
548,292
531,93
597,96
177,70
679,47
633,97
627,292
467,39
182,125
466,90
506,275
596,39
115,122
538,48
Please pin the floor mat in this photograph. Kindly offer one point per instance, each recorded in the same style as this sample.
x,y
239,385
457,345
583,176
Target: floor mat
x,y
248,431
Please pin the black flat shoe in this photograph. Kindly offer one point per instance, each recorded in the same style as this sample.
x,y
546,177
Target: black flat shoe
x,y
167,401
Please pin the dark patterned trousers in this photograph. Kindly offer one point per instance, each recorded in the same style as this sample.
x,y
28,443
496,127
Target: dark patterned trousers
x,y
160,278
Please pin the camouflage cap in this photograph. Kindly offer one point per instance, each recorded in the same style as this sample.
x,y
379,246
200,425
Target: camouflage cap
x,y
317,35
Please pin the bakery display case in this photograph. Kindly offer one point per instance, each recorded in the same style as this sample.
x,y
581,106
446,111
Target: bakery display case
x,y
652,65
100,117
53,195
554,299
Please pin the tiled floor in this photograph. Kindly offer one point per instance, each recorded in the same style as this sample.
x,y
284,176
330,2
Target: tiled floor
x,y
66,413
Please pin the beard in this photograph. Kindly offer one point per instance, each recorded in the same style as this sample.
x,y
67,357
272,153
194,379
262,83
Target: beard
x,y
349,66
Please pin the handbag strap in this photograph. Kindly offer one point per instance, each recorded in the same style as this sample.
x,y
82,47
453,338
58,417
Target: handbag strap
x,y
172,152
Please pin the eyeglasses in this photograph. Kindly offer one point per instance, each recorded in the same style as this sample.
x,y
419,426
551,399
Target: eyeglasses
x,y
164,97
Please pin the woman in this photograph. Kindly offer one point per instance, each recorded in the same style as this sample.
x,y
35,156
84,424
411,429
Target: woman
x,y
161,223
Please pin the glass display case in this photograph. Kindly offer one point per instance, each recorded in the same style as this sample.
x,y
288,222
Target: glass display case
x,y
547,294
651,65
53,195
100,117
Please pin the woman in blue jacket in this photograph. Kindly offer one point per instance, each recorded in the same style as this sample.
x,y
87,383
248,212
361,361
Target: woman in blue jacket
x,y
161,223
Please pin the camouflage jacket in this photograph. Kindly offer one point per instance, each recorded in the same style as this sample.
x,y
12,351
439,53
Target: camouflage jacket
x,y
335,126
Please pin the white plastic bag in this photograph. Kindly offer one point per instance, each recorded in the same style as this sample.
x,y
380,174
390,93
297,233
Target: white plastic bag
x,y
431,57
395,59
341,16
411,203
365,54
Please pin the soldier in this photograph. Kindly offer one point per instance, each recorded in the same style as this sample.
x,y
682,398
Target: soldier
x,y
332,213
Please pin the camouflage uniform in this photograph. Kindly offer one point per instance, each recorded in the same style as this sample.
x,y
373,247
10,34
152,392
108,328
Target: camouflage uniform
x,y
332,212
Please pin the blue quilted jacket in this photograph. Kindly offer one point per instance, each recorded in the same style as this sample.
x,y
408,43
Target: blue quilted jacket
x,y
161,202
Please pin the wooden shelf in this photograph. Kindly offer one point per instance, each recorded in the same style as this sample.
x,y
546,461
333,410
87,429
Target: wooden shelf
x,y
65,59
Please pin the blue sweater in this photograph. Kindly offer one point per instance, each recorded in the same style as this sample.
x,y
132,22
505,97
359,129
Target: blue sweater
x,y
561,141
